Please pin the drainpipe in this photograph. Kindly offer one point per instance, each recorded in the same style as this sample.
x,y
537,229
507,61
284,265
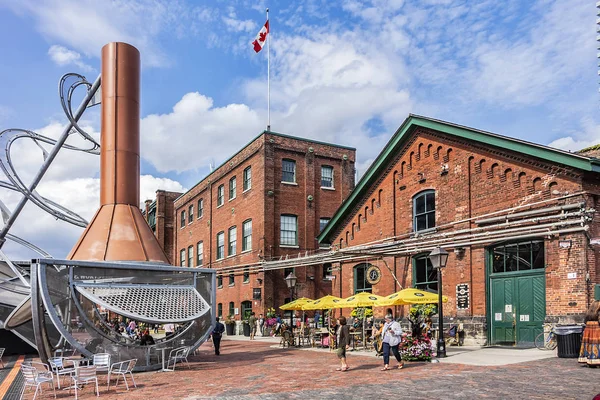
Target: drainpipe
x,y
469,206
210,224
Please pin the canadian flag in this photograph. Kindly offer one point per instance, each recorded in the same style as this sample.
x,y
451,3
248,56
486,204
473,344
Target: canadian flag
x,y
261,38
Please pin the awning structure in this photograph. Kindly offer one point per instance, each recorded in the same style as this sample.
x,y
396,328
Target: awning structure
x,y
147,303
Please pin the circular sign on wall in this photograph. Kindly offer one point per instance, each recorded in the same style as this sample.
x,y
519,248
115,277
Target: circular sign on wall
x,y
373,275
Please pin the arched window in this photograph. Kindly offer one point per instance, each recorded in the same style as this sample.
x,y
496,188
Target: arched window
x,y
231,309
360,278
424,211
246,309
424,275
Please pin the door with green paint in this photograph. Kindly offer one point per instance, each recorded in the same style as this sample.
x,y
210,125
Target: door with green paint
x,y
517,292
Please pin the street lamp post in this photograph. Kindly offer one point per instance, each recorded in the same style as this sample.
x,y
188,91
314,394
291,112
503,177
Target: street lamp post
x,y
290,281
439,258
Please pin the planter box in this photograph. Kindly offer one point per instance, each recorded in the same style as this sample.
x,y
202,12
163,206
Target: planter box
x,y
230,328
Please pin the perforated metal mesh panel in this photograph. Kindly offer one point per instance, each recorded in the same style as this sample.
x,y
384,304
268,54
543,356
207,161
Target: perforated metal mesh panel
x,y
153,304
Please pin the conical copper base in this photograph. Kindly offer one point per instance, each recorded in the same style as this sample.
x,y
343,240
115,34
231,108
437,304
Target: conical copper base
x,y
118,232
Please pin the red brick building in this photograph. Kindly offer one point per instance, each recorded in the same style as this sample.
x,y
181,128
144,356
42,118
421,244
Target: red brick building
x,y
161,216
268,201
517,218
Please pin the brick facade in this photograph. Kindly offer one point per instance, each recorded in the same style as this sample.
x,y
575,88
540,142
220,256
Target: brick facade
x,y
263,204
471,180
160,216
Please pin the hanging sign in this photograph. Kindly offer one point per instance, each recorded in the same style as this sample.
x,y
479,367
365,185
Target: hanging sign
x,y
462,296
373,275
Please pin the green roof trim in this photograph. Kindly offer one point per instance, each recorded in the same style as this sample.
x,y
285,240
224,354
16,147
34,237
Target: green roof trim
x,y
412,122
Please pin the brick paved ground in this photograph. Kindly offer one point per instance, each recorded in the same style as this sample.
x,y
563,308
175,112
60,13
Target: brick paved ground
x,y
256,370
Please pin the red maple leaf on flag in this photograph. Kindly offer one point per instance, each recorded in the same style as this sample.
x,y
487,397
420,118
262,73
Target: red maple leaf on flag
x,y
262,36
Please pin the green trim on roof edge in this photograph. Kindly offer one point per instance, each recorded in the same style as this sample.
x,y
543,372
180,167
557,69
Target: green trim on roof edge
x,y
413,122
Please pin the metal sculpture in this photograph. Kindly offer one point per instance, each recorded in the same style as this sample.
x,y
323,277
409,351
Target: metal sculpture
x,y
117,267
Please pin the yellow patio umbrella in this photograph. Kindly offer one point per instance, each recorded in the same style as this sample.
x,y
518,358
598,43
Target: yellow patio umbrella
x,y
410,296
362,299
324,303
296,304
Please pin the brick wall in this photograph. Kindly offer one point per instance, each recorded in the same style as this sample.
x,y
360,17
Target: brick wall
x,y
470,181
263,204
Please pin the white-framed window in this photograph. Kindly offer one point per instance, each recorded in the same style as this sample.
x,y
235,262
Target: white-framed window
x,y
182,258
220,195
247,235
424,210
323,223
200,208
183,220
232,241
191,214
190,256
199,253
289,230
220,245
288,171
327,176
247,178
232,188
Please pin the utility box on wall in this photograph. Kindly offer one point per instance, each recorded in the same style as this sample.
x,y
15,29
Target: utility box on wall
x,y
597,291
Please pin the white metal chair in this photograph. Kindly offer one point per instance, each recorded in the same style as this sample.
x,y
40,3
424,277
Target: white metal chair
x,y
34,377
61,366
1,354
102,362
179,354
82,376
122,369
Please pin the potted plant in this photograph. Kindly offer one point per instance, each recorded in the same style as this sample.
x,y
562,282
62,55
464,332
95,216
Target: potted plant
x,y
246,327
230,325
418,346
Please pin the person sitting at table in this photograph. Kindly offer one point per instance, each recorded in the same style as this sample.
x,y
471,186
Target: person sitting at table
x,y
357,325
147,339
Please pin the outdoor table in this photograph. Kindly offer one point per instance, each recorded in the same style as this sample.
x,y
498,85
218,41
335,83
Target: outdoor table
x,y
163,349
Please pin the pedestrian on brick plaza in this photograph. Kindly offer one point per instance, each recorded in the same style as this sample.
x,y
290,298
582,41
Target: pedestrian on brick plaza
x,y
589,352
391,338
252,321
261,324
343,340
216,334
169,329
317,319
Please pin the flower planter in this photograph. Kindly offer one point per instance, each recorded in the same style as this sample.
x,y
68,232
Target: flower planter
x,y
416,349
230,328
246,329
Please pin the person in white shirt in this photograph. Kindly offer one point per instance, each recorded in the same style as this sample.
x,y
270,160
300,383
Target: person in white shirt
x,y
169,329
391,337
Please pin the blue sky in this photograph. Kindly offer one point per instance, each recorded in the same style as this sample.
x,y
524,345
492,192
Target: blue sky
x,y
346,72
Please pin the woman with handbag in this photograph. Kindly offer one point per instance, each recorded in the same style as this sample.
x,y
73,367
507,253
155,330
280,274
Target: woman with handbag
x,y
391,335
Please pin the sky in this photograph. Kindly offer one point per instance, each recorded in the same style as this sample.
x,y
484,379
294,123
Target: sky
x,y
346,72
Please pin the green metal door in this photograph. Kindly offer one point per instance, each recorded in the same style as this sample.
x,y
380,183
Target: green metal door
x,y
502,306
518,308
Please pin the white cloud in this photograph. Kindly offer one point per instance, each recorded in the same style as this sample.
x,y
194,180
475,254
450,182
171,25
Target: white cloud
x,y
588,136
63,56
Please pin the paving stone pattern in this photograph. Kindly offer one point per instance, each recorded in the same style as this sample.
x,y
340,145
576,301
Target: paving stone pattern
x,y
258,370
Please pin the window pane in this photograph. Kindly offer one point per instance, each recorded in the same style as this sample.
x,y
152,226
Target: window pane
x,y
191,214
182,219
247,233
326,176
247,178
537,250
231,308
182,258
498,261
430,220
323,223
360,278
232,241
288,230
425,275
421,270
524,256
246,275
200,255
220,310
220,245
421,222
232,188
190,256
219,280
288,171
200,208
419,205
430,201
220,195
231,279
511,257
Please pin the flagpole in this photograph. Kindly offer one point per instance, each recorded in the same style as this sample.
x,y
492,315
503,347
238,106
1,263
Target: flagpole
x,y
268,74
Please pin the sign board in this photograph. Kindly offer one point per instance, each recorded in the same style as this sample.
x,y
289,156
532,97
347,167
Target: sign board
x,y
508,308
524,317
236,311
572,275
462,296
498,316
256,293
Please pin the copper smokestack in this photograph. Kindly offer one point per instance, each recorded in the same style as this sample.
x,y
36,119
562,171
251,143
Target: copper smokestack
x,y
118,231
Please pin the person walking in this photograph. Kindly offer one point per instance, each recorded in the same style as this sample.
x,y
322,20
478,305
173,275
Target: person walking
x,y
343,340
216,334
391,337
252,322
169,329
589,353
